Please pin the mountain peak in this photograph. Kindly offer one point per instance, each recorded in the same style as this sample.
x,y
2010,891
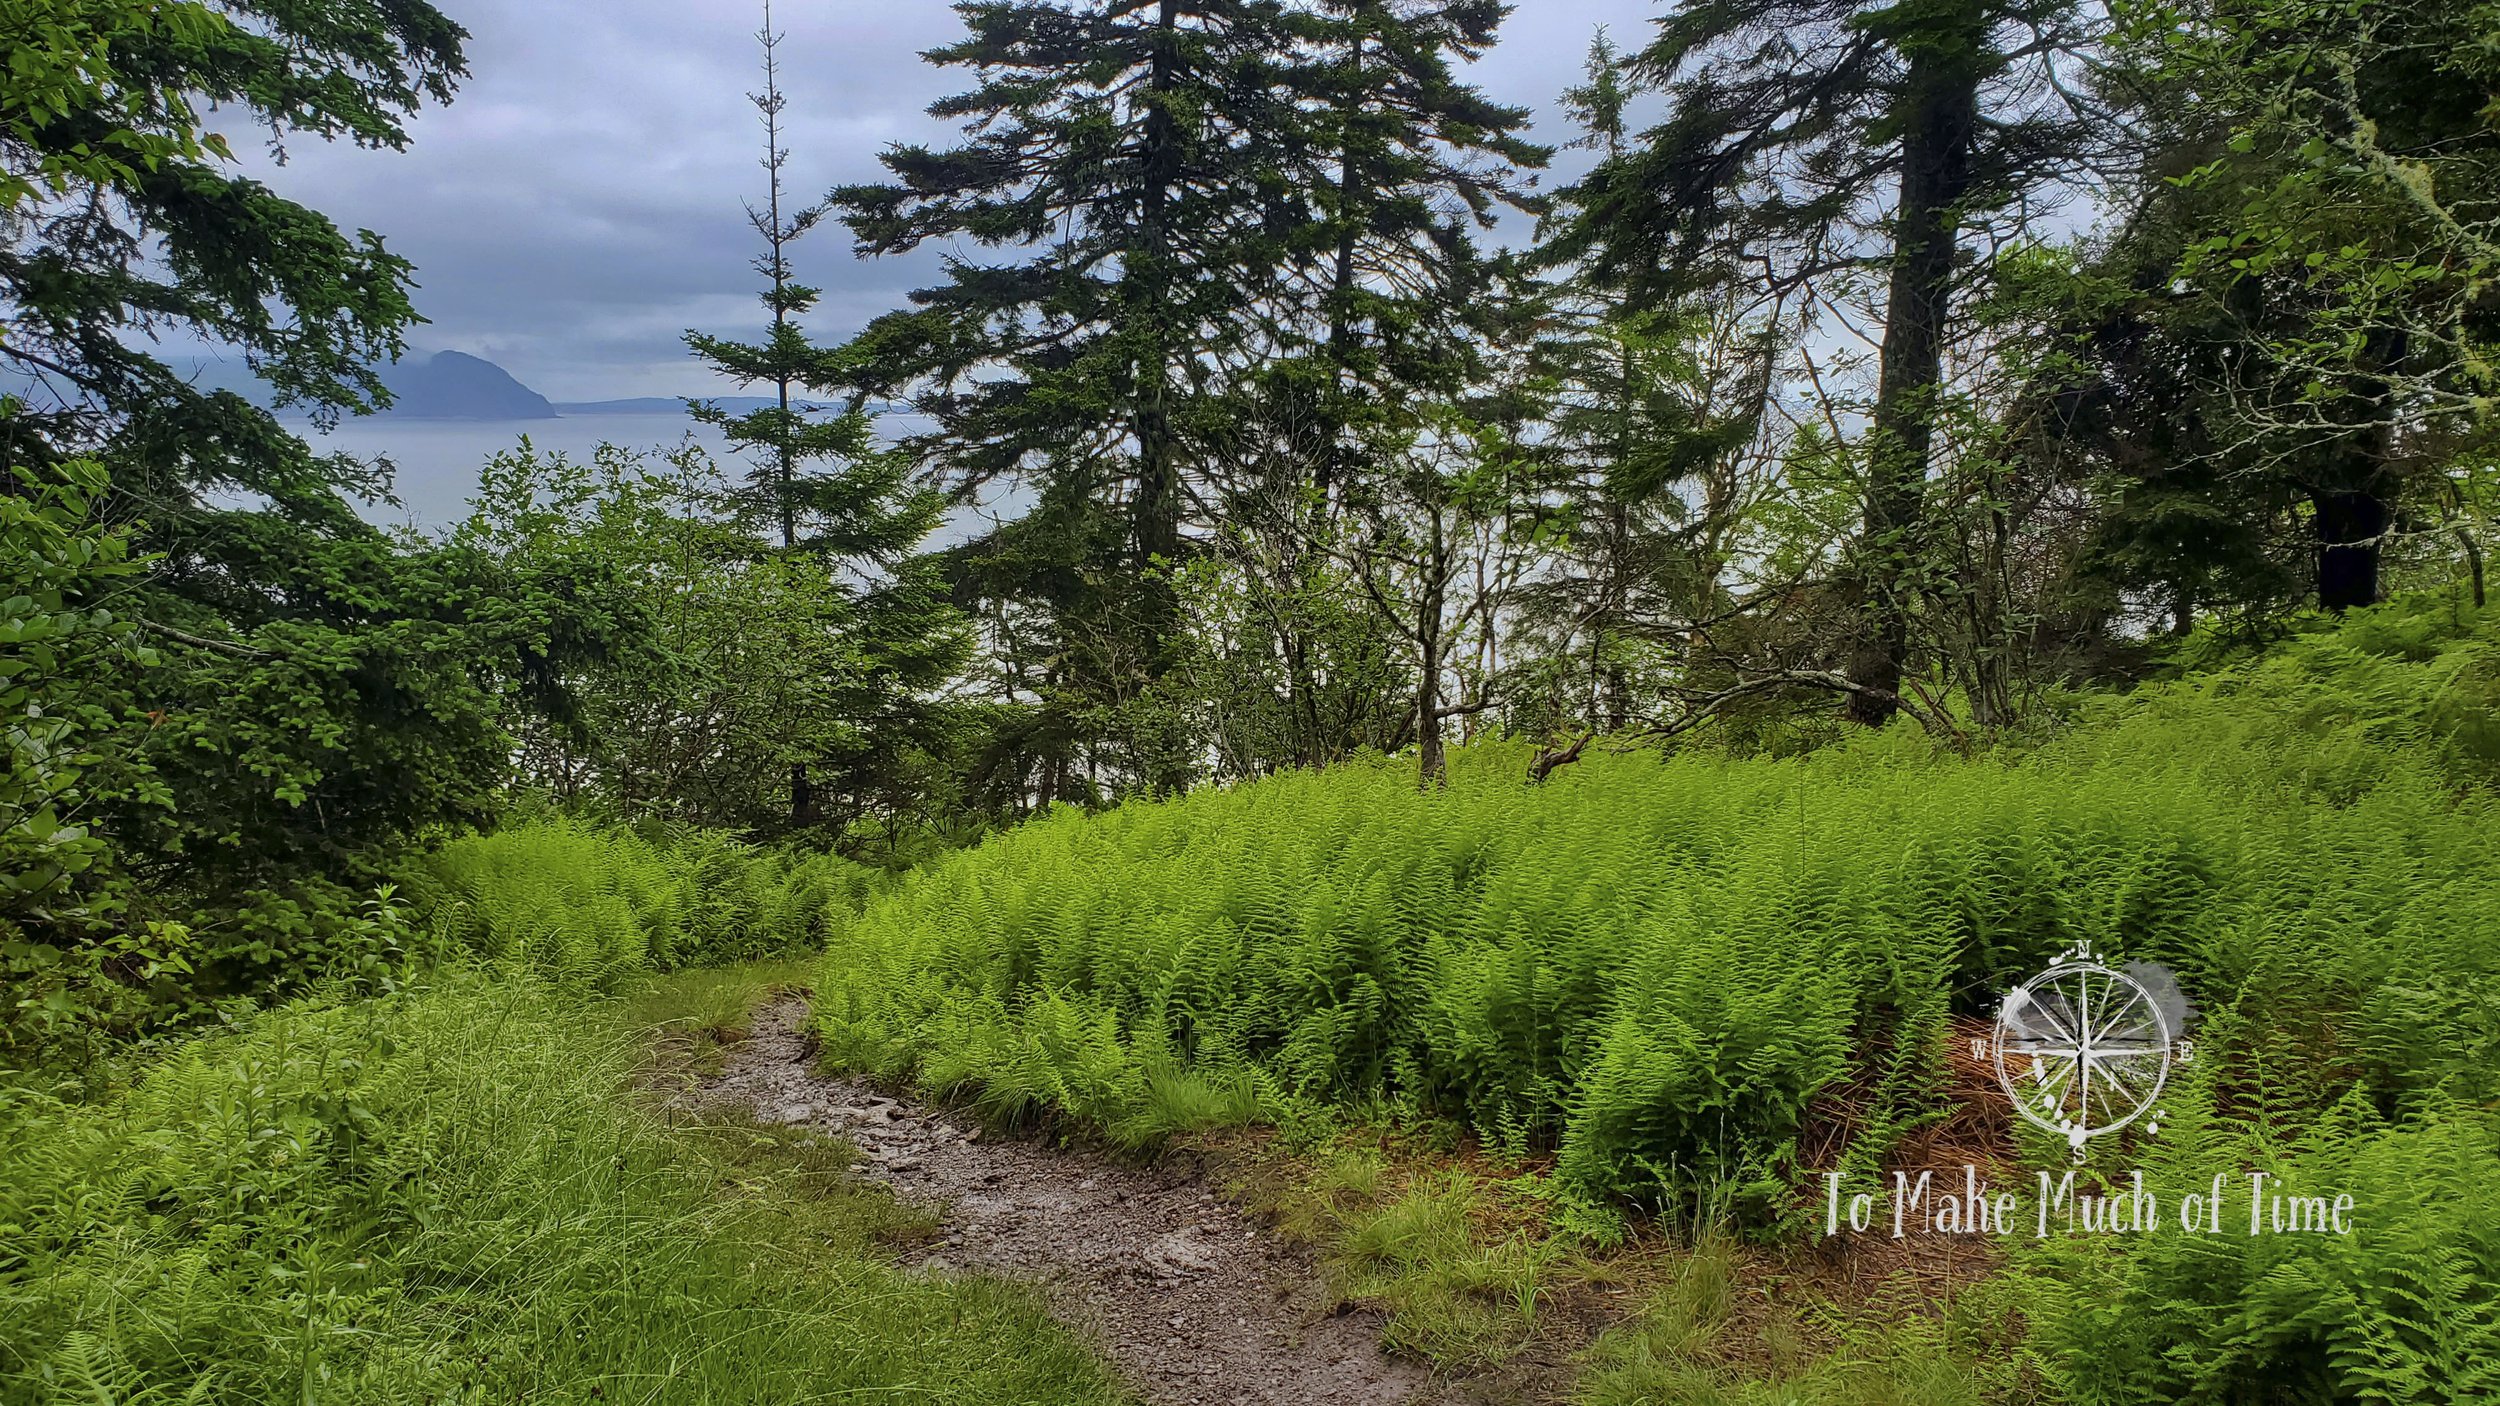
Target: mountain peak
x,y
452,385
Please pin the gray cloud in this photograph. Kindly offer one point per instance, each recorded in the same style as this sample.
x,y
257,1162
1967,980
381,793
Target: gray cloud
x,y
580,205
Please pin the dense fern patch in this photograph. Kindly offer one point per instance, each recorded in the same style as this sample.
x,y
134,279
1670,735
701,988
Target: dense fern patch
x,y
1655,967
579,902
2405,1307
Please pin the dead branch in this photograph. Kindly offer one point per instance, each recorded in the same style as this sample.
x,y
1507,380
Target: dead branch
x,y
1549,759
1702,707
239,651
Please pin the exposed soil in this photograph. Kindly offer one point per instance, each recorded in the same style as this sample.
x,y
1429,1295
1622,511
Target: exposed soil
x,y
1194,1301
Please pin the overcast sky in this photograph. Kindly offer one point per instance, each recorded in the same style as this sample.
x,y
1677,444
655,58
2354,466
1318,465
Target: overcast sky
x,y
578,207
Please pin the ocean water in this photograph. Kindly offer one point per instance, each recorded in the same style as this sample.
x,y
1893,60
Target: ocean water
x,y
438,460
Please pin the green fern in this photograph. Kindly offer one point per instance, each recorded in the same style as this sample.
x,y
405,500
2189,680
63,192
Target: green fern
x,y
589,905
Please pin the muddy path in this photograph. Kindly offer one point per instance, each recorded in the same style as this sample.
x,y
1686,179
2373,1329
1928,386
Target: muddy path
x,y
1195,1302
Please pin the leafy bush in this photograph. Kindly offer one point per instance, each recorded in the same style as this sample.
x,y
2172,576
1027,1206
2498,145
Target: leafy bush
x,y
1662,967
443,1196
203,820
587,904
58,639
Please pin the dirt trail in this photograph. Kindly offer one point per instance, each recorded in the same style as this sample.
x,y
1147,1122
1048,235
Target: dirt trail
x,y
1194,1301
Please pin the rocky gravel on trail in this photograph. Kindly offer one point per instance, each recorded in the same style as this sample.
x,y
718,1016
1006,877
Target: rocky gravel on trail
x,y
1194,1301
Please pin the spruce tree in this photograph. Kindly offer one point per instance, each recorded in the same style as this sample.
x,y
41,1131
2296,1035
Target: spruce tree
x,y
1401,164
1395,169
1116,149
1650,409
784,437
1122,157
1236,239
828,494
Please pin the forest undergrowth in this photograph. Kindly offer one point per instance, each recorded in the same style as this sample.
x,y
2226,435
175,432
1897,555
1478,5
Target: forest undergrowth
x,y
588,903
1547,1072
1641,984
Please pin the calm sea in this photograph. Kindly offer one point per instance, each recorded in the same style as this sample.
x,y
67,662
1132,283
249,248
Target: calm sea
x,y
438,460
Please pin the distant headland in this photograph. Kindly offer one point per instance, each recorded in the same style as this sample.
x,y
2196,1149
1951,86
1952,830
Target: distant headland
x,y
452,385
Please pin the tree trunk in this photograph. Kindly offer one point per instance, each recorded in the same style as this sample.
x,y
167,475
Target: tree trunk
x,y
1158,489
1432,759
2350,525
2350,511
802,797
1617,616
1943,115
1332,465
1302,688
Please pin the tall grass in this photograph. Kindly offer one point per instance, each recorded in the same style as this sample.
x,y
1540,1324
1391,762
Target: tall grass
x,y
444,1196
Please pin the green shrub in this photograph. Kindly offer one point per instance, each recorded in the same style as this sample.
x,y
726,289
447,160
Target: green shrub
x,y
445,1196
588,904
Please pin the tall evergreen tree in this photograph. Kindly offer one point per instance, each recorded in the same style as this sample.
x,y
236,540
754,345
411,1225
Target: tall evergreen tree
x,y
1651,407
785,437
1394,170
322,693
1125,151
1401,164
1792,126
832,495
1119,148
